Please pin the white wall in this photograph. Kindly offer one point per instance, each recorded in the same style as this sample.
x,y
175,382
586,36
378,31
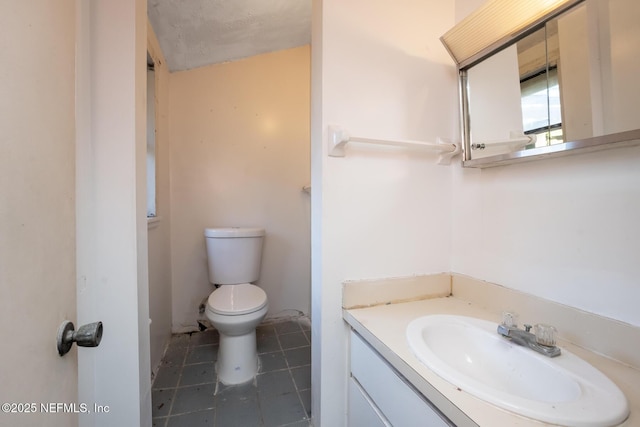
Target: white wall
x,y
159,244
240,157
378,70
563,229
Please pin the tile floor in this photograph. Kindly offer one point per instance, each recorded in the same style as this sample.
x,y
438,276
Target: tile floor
x,y
186,391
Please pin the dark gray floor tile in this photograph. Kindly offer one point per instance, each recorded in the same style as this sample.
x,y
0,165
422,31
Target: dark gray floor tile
x,y
287,327
159,422
241,391
276,382
174,356
305,397
200,354
304,423
180,340
167,376
295,339
267,344
194,398
200,373
161,402
298,356
238,406
301,377
272,361
242,414
210,336
281,409
265,331
193,419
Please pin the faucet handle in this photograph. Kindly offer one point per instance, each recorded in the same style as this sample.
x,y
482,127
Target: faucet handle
x,y
510,319
545,334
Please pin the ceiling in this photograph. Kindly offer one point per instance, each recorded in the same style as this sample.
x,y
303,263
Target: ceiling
x,y
194,33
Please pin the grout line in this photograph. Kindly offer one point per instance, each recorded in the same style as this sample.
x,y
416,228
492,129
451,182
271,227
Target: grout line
x,y
304,410
295,385
175,389
173,397
258,401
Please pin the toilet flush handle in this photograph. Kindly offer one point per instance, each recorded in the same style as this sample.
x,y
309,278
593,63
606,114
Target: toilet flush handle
x,y
86,336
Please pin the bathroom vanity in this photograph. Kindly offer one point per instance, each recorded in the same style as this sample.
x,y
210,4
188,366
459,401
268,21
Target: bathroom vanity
x,y
388,385
379,393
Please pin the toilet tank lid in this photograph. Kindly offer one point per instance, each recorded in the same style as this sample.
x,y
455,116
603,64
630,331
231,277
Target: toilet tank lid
x,y
230,232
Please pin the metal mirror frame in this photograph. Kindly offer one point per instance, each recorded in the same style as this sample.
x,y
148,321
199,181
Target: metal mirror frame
x,y
603,142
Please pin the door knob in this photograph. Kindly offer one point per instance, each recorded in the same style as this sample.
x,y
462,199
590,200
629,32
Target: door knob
x,y
86,336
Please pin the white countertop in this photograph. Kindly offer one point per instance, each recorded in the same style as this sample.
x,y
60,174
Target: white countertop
x,y
384,328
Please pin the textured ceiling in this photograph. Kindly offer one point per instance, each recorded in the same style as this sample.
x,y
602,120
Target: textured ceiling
x,y
194,33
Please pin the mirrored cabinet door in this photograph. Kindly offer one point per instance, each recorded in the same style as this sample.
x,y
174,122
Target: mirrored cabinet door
x,y
565,84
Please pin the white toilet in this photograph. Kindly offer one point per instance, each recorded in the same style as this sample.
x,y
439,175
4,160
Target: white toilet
x,y
237,306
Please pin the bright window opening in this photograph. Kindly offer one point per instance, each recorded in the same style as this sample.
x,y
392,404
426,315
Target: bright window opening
x,y
541,108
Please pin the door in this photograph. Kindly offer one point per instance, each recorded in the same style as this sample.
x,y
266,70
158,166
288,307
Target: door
x,y
37,210
73,211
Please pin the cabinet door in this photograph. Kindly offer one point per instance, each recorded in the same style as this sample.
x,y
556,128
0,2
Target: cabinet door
x,y
398,402
362,412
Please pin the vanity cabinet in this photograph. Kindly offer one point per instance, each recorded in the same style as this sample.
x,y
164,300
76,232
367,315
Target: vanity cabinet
x,y
380,396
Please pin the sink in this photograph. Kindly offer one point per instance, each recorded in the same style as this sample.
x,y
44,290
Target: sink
x,y
468,353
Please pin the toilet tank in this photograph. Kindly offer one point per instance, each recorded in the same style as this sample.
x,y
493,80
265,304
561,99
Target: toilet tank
x,y
234,254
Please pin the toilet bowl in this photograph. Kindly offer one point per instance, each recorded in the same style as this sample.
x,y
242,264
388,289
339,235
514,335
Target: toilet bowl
x,y
235,311
237,306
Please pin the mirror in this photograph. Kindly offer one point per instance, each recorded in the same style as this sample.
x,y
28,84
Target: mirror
x,y
569,83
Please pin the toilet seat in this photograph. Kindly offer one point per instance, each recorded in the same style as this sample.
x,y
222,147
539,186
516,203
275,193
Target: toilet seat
x,y
234,300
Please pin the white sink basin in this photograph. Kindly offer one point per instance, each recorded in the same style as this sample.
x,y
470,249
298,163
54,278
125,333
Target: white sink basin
x,y
469,353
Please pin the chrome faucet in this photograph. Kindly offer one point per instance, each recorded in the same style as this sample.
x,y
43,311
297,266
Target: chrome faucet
x,y
543,341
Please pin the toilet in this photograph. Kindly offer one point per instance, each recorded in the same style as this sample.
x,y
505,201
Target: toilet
x,y
237,306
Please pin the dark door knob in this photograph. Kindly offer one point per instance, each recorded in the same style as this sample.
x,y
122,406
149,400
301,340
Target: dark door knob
x,y
86,336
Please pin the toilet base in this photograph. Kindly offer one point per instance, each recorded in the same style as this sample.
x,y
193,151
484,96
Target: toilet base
x,y
237,358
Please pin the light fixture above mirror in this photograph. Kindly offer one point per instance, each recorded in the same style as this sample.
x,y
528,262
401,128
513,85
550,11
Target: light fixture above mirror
x,y
497,23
